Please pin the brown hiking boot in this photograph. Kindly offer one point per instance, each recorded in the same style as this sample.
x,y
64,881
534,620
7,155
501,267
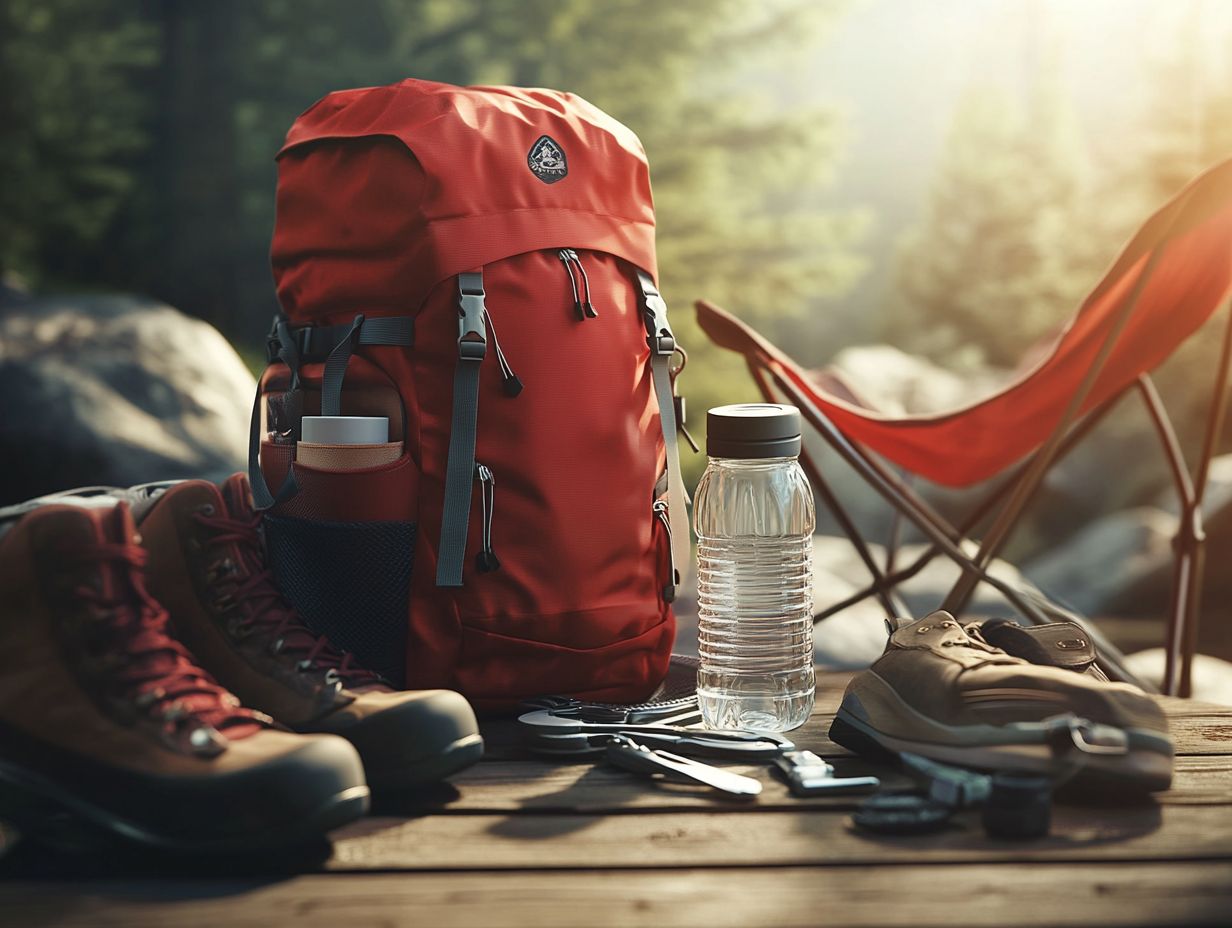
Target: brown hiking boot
x,y
106,719
940,690
208,565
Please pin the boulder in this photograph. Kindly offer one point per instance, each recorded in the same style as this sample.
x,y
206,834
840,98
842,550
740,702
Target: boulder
x,y
1096,567
115,390
897,383
1211,678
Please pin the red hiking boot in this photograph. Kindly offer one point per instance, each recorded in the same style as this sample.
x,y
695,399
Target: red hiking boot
x,y
208,565
105,717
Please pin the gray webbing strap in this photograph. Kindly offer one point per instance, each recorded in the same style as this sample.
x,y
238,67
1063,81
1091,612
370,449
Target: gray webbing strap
x,y
460,465
295,346
336,368
662,345
381,330
285,350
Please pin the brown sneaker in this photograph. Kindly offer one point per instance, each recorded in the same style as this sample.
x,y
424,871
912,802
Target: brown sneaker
x,y
1056,644
941,691
107,720
208,565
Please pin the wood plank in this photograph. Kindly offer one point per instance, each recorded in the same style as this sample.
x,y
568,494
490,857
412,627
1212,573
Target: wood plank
x,y
537,786
1198,727
959,896
719,839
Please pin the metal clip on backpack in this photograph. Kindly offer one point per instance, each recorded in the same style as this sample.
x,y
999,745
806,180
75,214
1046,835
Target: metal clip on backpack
x,y
413,222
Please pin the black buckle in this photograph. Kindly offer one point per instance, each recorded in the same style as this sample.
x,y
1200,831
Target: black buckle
x,y
273,344
659,335
472,331
311,343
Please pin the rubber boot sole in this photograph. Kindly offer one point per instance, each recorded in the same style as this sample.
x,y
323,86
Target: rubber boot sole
x,y
45,812
413,743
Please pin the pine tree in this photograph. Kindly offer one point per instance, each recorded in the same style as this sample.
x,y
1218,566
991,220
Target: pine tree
x,y
192,100
1004,252
73,114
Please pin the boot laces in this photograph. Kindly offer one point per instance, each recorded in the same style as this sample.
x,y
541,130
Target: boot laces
x,y
974,637
154,670
251,586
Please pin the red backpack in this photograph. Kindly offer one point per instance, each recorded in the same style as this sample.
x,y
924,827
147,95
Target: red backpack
x,y
477,264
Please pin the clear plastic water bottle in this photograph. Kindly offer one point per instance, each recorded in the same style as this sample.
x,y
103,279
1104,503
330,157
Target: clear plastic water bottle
x,y
754,520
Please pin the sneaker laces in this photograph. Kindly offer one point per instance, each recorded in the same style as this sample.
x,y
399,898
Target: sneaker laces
x,y
251,585
156,669
976,635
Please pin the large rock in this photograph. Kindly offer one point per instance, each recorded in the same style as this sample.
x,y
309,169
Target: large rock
x,y
1210,677
1095,569
897,383
115,390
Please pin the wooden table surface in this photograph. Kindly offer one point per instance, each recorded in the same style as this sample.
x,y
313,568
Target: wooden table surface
x,y
521,842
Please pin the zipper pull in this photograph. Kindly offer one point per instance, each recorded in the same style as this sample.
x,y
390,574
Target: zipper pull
x,y
588,310
669,588
486,560
510,381
563,254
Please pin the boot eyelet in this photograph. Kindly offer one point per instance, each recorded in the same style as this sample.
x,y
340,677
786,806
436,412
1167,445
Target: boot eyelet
x,y
276,647
923,628
175,713
303,666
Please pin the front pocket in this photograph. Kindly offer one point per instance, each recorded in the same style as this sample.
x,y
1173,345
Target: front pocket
x,y
617,654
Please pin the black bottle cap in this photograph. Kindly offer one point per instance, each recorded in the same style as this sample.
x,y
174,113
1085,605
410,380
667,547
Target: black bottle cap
x,y
1019,806
753,430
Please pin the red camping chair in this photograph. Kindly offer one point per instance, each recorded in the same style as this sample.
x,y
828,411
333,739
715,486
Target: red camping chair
x,y
1170,278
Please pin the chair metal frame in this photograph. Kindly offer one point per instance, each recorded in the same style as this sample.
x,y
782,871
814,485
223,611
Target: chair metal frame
x,y
1012,496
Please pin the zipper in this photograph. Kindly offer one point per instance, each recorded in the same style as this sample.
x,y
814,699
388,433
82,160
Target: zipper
x,y
581,292
510,381
669,588
486,560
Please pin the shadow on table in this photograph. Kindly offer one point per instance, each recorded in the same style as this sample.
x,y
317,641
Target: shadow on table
x,y
70,854
31,860
1094,823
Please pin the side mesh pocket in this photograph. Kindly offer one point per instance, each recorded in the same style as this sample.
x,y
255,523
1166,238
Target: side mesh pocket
x,y
351,582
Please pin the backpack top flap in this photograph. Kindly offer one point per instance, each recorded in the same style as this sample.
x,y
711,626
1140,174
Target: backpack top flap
x,y
491,172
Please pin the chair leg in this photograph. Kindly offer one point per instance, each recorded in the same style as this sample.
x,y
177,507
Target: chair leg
x,y
946,539
884,591
1189,640
1007,518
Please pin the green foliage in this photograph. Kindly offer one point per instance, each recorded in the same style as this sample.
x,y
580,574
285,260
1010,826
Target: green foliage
x,y
1018,230
142,138
74,117
1005,250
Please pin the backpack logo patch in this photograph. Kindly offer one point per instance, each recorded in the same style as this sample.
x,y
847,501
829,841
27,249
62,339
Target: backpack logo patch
x,y
546,160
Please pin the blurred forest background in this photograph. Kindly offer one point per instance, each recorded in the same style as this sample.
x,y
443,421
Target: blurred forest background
x,y
138,144
946,176
138,138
